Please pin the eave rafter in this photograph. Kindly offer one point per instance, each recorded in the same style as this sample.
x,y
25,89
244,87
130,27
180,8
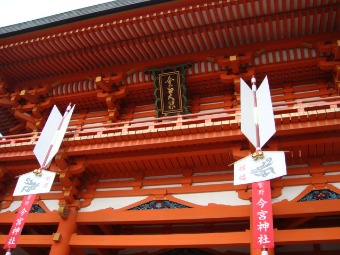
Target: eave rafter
x,y
154,36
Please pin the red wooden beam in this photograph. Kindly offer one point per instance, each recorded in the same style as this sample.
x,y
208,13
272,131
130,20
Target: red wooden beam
x,y
213,213
282,237
31,240
161,241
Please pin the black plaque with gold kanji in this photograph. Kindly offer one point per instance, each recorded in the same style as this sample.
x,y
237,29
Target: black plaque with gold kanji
x,y
169,84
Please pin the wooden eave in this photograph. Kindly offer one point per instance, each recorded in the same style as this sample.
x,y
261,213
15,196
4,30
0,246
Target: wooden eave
x,y
207,35
152,36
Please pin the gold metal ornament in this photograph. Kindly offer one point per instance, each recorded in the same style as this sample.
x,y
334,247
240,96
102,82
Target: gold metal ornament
x,y
257,155
37,172
63,211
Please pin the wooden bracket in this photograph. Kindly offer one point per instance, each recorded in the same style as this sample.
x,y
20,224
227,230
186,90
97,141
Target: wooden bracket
x,y
3,88
230,78
337,50
31,97
61,160
67,176
235,61
104,84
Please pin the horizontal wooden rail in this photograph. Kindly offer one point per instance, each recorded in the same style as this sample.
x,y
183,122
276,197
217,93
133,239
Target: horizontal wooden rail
x,y
161,241
211,213
31,240
282,237
200,240
285,112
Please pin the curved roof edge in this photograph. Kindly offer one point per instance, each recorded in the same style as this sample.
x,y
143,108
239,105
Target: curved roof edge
x,y
76,15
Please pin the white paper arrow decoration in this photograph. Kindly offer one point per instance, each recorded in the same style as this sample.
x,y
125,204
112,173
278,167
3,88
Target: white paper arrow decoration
x,y
47,135
52,135
59,136
46,148
262,115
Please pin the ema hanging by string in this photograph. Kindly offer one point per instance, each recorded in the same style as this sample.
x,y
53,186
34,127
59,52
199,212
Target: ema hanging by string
x,y
39,180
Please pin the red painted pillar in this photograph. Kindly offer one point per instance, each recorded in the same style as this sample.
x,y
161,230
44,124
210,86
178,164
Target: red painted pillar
x,y
66,228
253,251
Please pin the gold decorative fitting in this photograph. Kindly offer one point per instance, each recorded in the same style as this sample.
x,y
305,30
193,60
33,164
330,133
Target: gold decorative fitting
x,y
63,211
56,237
37,172
257,155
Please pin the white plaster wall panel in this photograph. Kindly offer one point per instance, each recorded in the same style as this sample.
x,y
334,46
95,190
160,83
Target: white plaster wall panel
x,y
52,204
14,205
289,193
336,184
111,202
222,198
162,186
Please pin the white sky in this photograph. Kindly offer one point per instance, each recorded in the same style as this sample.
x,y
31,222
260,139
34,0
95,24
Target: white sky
x,y
18,11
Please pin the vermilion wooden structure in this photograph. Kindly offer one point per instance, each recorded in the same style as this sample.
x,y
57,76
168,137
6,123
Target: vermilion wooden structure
x,y
119,166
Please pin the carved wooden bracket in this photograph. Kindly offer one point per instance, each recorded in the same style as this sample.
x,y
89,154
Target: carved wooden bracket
x,y
331,66
31,97
5,102
68,175
187,180
72,192
332,62
111,97
337,77
69,171
5,200
3,88
3,170
333,48
235,61
104,84
336,50
328,65
112,101
90,189
111,94
28,106
235,79
107,83
61,160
